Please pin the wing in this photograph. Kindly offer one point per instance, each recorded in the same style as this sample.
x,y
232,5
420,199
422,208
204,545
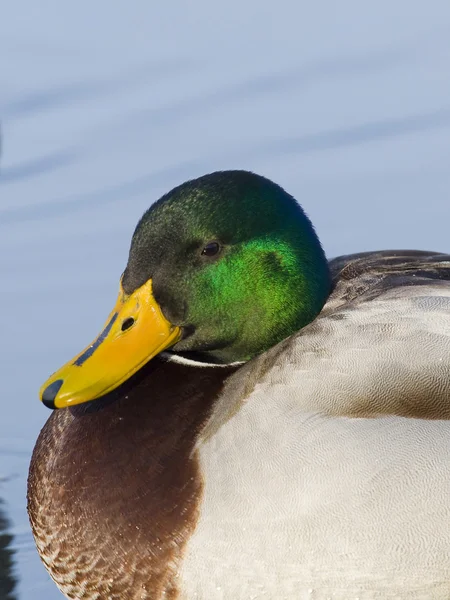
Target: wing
x,y
380,346
317,502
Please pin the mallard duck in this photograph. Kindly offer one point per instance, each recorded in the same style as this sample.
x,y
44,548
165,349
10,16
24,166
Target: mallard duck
x,y
253,421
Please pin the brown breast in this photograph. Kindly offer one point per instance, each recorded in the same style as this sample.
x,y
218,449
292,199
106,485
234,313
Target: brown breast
x,y
114,485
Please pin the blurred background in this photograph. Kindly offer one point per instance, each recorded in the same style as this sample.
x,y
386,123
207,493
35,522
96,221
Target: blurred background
x,y
105,106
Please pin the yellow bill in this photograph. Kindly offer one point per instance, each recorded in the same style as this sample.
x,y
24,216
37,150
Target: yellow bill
x,y
135,332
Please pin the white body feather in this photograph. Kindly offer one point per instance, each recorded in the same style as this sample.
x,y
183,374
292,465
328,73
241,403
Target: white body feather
x,y
303,498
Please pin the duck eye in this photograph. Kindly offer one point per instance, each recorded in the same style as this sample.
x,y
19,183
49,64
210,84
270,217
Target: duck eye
x,y
211,249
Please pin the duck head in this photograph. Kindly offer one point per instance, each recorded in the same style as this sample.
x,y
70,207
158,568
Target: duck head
x,y
226,265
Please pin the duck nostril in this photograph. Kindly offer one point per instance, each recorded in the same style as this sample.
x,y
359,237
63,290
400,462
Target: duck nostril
x,y
127,323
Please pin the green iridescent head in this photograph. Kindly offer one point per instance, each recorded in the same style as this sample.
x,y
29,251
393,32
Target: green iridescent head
x,y
226,265
234,261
